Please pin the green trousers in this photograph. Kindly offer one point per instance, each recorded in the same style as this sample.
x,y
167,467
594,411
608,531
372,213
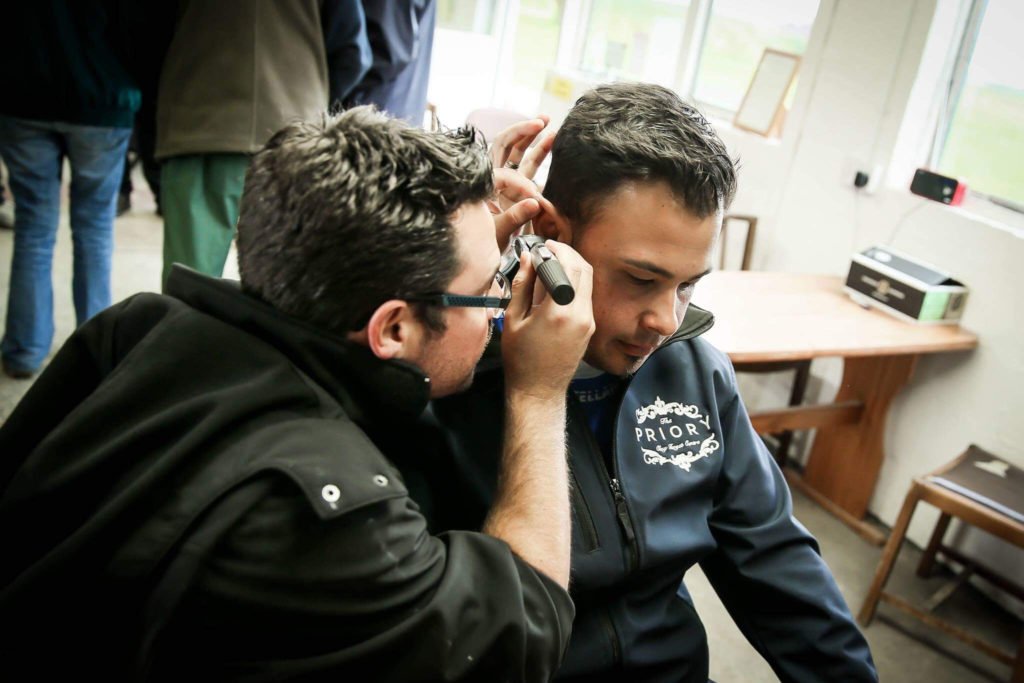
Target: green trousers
x,y
199,195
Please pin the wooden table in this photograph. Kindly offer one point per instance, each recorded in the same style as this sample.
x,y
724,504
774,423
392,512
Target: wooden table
x,y
766,317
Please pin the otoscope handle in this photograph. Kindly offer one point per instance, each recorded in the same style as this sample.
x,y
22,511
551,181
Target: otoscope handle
x,y
551,273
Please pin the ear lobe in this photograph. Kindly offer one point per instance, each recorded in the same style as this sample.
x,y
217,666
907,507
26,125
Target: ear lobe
x,y
392,331
552,225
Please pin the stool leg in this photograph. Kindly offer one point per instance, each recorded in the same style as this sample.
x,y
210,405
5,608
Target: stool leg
x,y
892,549
924,568
796,397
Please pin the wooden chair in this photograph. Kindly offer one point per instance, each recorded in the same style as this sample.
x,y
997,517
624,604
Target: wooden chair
x,y
981,490
801,369
748,245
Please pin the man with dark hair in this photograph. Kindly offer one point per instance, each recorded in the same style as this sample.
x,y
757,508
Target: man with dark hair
x,y
214,484
667,471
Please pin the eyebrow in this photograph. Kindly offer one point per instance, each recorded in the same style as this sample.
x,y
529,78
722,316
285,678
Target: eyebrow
x,y
658,270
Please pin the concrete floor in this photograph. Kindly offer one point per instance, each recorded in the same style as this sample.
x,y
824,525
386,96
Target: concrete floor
x,y
903,649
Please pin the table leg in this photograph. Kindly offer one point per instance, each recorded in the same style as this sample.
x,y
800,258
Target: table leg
x,y
846,459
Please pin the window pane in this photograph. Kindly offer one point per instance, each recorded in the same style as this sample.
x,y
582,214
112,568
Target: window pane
x,y
985,144
476,16
738,32
535,48
639,39
465,58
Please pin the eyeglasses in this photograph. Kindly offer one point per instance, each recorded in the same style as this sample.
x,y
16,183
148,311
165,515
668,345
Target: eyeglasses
x,y
496,302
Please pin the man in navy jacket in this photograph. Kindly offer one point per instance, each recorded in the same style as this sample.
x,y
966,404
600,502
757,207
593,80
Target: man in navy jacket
x,y
667,470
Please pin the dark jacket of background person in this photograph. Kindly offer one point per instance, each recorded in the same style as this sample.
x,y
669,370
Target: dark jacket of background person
x,y
73,74
236,72
689,482
401,34
195,490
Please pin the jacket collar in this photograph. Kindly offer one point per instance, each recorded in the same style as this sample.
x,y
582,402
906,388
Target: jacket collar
x,y
367,387
696,322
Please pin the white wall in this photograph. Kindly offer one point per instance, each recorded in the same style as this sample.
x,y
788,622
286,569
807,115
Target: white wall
x,y
864,108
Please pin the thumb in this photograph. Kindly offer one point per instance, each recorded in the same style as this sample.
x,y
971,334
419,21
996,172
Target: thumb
x,y
509,221
522,291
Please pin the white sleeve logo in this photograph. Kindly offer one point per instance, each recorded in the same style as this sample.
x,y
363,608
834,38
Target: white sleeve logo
x,y
676,434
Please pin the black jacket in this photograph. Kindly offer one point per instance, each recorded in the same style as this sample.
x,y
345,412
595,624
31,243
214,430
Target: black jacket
x,y
68,62
690,483
195,489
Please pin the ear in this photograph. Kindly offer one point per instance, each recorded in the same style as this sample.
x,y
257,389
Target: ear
x,y
393,331
552,225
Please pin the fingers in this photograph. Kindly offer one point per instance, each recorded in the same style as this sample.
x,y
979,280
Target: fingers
x,y
522,293
579,272
535,156
575,267
518,150
513,186
515,216
511,144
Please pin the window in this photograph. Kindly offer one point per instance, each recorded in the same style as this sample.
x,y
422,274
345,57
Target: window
x,y
535,47
501,53
737,34
459,15
980,137
635,39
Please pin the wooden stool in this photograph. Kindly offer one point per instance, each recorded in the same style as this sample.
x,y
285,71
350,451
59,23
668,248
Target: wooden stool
x,y
979,489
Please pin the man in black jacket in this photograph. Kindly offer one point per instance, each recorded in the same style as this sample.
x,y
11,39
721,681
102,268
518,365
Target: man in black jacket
x,y
214,484
667,471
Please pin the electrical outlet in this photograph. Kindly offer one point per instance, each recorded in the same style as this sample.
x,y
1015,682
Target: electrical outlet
x,y
868,180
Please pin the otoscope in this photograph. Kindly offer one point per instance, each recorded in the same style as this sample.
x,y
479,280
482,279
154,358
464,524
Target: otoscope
x,y
549,270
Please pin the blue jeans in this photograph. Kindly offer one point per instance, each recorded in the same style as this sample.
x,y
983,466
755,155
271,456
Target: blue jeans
x,y
34,152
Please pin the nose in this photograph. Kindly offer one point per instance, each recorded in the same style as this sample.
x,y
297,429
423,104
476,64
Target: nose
x,y
664,317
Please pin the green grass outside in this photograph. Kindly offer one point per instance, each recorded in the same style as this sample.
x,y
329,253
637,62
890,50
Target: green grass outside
x,y
985,146
732,51
536,42
618,21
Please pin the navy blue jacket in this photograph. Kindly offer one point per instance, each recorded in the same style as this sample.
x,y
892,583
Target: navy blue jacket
x,y
401,35
690,483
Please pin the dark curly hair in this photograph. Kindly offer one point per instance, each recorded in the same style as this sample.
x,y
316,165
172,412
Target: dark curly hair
x,y
342,214
623,132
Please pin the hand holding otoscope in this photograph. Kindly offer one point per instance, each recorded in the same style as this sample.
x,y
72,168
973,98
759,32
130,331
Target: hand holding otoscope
x,y
549,270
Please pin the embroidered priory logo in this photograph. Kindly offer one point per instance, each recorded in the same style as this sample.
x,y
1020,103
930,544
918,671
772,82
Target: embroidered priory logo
x,y
675,434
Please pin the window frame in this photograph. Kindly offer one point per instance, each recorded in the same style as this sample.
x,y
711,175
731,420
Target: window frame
x,y
969,31
687,64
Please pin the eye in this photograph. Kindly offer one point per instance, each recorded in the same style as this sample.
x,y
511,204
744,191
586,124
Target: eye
x,y
685,289
639,281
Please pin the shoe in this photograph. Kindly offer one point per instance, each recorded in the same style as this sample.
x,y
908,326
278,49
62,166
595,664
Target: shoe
x,y
7,216
124,204
18,373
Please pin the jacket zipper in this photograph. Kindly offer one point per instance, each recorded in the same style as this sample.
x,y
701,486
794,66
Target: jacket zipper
x,y
622,512
621,507
609,625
